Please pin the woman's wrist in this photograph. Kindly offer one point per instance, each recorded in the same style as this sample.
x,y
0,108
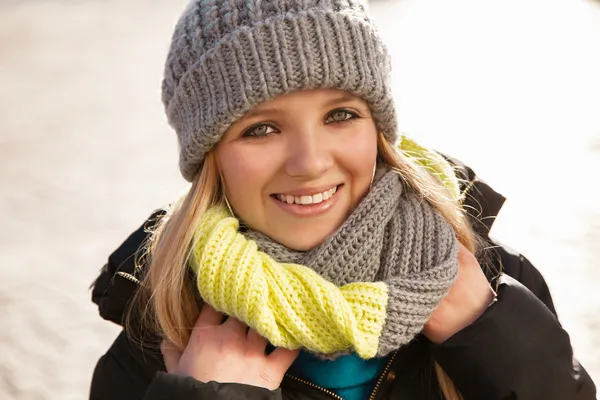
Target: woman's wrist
x,y
450,318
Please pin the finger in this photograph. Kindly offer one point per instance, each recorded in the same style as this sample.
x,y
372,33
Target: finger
x,y
209,317
256,342
170,354
281,359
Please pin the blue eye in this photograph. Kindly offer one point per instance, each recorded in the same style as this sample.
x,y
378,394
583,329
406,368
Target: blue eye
x,y
258,131
340,115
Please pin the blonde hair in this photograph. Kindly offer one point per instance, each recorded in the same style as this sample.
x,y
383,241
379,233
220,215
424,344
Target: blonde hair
x,y
169,301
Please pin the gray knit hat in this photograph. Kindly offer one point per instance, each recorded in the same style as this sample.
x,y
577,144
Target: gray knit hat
x,y
227,56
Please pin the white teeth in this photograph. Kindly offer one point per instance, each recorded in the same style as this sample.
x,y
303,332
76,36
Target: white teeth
x,y
307,200
317,198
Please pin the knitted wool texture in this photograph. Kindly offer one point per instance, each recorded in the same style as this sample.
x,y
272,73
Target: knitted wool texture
x,y
433,163
369,288
228,55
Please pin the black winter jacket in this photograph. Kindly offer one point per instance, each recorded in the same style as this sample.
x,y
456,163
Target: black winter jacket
x,y
516,350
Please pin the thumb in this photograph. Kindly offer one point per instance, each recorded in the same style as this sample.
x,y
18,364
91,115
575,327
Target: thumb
x,y
281,359
170,354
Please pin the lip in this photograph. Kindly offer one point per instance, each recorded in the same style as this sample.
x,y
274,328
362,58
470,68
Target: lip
x,y
310,210
310,190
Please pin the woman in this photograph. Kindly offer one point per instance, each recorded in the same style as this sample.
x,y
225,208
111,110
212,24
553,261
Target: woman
x,y
317,254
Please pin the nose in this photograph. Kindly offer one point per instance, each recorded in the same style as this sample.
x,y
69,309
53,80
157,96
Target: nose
x,y
309,155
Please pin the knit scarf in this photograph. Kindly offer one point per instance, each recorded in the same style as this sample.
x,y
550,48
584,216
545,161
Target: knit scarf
x,y
369,288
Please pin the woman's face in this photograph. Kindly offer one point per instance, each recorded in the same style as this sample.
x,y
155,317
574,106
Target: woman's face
x,y
295,167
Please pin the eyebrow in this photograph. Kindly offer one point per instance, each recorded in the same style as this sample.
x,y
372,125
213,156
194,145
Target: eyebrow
x,y
343,98
253,113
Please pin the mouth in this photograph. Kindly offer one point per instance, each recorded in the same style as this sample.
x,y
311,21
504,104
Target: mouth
x,y
307,199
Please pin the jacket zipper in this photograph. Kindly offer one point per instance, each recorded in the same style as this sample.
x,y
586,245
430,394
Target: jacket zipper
x,y
129,277
469,186
382,376
328,392
335,396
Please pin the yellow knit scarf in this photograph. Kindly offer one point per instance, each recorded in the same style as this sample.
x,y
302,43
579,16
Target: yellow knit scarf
x,y
289,304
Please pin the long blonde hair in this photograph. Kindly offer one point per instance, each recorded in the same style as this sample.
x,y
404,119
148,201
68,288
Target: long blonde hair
x,y
168,300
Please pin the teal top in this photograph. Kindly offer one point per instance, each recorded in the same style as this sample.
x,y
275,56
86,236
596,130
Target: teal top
x,y
348,376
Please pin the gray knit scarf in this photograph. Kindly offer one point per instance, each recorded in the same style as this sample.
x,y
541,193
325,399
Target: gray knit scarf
x,y
392,236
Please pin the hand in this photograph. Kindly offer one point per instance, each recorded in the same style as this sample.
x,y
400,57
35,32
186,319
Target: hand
x,y
227,352
468,298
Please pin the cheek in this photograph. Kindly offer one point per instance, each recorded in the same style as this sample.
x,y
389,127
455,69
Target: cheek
x,y
245,174
359,154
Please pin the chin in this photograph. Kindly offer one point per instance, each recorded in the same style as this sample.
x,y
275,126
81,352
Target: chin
x,y
304,242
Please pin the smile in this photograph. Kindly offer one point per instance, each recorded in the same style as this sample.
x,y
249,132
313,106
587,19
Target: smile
x,y
307,199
